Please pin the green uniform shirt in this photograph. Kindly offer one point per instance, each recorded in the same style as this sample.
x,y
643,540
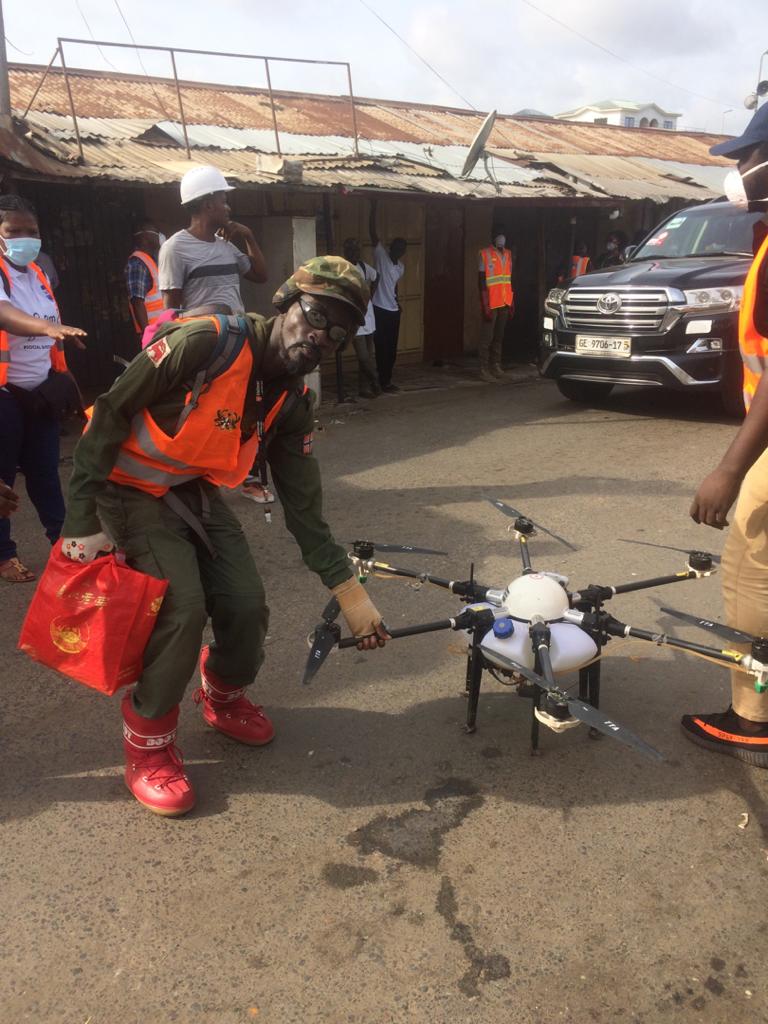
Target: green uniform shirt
x,y
161,387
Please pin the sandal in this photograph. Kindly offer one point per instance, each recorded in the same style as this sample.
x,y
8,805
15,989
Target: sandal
x,y
13,571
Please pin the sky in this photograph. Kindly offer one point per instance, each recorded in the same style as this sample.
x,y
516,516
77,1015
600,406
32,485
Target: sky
x,y
696,57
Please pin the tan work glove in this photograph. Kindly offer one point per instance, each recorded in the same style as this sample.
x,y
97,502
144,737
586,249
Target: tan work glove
x,y
363,618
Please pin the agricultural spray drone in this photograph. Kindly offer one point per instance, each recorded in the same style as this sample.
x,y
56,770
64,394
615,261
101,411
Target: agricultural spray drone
x,y
535,629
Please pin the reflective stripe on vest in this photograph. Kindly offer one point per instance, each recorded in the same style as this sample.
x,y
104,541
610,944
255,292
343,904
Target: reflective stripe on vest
x,y
208,445
579,265
56,352
753,344
153,300
497,268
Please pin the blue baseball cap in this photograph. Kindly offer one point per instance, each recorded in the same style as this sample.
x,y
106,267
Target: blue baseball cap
x,y
755,133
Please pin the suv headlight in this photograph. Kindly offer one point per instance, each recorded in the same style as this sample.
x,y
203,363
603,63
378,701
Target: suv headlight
x,y
554,299
712,300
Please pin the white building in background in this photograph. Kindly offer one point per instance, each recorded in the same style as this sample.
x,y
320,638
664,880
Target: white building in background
x,y
623,113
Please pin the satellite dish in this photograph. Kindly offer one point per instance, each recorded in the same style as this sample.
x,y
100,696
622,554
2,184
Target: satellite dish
x,y
477,149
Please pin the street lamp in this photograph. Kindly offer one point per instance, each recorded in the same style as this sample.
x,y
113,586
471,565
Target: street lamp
x,y
752,102
725,113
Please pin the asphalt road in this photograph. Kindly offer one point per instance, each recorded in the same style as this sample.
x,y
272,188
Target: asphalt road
x,y
375,864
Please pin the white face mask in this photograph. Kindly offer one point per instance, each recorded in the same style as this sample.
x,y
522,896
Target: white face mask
x,y
500,241
733,185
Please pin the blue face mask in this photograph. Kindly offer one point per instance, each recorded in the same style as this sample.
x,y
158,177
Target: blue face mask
x,y
22,251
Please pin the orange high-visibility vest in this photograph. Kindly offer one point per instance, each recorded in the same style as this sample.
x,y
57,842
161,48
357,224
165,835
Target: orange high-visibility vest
x,y
497,267
58,360
208,445
153,300
753,344
579,265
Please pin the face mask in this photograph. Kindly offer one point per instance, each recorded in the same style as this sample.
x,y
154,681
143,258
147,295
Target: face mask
x,y
21,251
733,187
500,241
754,202
611,246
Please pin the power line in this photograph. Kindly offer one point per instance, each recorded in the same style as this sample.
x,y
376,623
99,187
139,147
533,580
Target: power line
x,y
617,56
17,48
93,37
418,56
141,62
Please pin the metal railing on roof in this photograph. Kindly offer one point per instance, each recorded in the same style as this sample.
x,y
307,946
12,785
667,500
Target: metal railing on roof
x,y
172,51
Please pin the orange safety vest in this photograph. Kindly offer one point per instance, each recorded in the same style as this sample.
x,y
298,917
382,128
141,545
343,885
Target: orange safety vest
x,y
208,445
497,268
753,344
58,360
579,266
153,300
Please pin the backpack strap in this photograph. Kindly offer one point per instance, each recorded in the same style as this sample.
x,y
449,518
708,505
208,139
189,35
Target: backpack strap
x,y
232,334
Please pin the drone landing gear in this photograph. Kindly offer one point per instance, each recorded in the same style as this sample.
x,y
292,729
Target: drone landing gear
x,y
475,666
589,690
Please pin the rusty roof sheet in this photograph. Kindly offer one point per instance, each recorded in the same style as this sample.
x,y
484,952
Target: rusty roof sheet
x,y
403,147
109,95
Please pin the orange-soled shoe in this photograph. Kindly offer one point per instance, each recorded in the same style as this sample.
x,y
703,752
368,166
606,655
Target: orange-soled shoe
x,y
227,709
154,769
726,734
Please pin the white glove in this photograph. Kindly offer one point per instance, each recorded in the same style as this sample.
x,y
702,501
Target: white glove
x,y
85,549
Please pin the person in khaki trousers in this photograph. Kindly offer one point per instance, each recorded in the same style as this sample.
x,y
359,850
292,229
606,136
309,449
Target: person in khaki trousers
x,y
742,730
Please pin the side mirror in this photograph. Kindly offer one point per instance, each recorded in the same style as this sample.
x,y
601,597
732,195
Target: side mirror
x,y
629,252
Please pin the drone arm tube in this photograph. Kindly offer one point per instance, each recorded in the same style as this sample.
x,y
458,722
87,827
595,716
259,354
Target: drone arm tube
x,y
464,620
473,590
525,555
616,628
594,594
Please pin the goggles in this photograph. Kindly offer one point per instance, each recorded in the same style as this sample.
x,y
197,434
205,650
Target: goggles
x,y
316,318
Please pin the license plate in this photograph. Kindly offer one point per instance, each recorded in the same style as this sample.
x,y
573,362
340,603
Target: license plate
x,y
602,346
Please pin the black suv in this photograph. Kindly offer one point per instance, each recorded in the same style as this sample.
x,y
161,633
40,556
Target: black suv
x,y
668,317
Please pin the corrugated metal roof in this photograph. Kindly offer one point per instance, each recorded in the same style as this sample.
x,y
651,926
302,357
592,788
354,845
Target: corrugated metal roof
x,y
403,147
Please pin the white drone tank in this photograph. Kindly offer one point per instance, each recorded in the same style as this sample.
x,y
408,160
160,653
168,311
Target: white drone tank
x,y
527,597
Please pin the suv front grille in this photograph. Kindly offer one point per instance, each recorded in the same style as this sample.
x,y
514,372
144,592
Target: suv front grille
x,y
641,310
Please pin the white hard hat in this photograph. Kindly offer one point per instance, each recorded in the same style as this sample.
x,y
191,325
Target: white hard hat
x,y
203,181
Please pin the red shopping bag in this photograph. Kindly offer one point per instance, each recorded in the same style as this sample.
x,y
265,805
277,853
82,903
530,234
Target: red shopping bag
x,y
92,622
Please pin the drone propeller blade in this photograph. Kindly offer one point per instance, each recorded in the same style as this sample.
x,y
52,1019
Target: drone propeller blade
x,y
665,547
324,642
599,720
734,636
407,549
513,666
513,513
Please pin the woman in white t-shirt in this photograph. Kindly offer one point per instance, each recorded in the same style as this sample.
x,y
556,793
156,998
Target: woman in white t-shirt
x,y
31,349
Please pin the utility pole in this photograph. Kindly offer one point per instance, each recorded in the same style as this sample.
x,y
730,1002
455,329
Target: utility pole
x,y
5,90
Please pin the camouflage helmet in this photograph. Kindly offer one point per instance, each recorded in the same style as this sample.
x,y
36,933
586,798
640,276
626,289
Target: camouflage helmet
x,y
326,275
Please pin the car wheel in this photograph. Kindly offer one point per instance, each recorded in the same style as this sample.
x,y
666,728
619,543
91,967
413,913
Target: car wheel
x,y
584,390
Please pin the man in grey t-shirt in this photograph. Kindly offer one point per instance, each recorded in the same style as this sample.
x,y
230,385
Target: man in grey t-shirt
x,y
200,265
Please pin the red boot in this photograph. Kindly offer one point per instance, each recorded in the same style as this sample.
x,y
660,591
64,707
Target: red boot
x,y
227,709
154,770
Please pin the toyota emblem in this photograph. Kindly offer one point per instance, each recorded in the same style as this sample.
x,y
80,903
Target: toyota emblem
x,y
610,303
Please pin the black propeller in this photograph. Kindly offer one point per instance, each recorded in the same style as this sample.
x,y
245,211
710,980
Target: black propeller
x,y
402,549
734,636
665,547
513,513
584,712
326,636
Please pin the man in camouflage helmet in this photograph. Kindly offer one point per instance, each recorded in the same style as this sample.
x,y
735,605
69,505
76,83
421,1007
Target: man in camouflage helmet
x,y
186,416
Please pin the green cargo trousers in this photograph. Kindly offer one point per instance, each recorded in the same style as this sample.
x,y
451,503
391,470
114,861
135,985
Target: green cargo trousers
x,y
227,589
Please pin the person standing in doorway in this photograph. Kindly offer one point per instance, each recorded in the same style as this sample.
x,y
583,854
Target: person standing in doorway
x,y
367,377
390,268
145,300
201,266
497,301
